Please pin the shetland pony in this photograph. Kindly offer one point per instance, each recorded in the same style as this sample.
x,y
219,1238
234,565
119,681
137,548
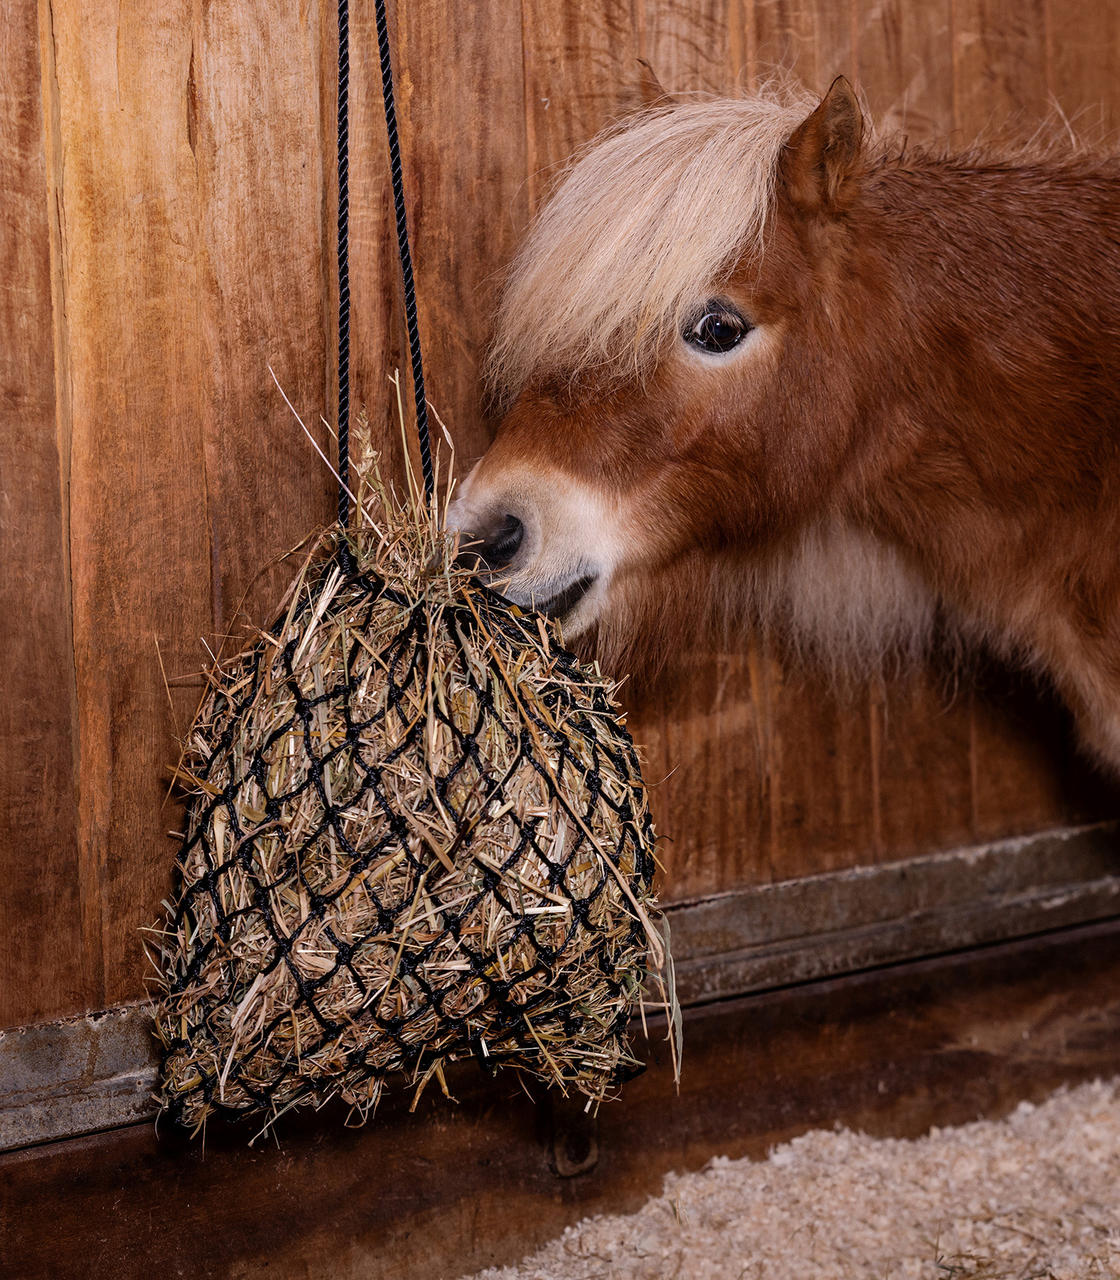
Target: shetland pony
x,y
754,363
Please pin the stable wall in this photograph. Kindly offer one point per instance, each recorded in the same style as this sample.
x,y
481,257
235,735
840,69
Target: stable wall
x,y
167,236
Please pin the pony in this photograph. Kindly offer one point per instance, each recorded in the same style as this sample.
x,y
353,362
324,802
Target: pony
x,y
754,363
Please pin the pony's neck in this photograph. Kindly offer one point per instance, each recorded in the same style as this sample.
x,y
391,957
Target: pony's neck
x,y
992,457
995,302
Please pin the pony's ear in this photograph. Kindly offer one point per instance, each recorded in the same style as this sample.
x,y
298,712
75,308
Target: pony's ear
x,y
823,149
651,92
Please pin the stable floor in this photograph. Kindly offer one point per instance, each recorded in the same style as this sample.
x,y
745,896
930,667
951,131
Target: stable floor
x,y
449,1189
1034,1195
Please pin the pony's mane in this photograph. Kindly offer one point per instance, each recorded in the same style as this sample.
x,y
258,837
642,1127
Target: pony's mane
x,y
652,213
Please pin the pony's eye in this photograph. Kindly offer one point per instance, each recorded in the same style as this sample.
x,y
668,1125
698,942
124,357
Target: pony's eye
x,y
718,329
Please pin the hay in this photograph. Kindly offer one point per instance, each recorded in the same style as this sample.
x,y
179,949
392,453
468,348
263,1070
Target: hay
x,y
417,832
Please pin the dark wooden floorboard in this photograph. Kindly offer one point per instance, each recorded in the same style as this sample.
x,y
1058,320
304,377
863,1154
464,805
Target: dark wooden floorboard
x,y
452,1188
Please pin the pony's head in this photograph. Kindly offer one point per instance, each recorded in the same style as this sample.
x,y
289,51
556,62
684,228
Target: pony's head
x,y
652,352
751,364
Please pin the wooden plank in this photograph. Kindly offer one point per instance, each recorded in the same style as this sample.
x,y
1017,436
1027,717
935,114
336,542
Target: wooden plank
x,y
189,473
138,380
450,1189
463,136
828,816
921,723
923,764
1083,65
784,40
821,746
707,768
258,145
837,35
581,72
77,1075
59,1079
844,921
687,43
999,66
40,918
905,66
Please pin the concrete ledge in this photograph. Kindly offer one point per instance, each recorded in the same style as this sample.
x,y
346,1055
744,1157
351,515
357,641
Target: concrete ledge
x,y
76,1075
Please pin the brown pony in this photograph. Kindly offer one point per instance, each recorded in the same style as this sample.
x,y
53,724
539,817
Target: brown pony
x,y
753,364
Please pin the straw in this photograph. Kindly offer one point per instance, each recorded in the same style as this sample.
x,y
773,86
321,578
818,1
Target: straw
x,y
417,832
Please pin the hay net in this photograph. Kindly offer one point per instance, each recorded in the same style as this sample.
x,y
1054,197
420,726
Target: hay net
x,y
416,832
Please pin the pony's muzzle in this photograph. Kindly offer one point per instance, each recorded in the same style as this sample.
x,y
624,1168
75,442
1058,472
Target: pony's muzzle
x,y
494,548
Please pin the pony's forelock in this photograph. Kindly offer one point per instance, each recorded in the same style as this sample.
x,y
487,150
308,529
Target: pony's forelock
x,y
651,215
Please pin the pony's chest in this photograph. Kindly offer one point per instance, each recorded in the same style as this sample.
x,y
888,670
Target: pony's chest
x,y
847,597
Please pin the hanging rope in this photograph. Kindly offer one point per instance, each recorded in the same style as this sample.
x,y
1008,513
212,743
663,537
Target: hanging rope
x,y
410,314
412,322
343,263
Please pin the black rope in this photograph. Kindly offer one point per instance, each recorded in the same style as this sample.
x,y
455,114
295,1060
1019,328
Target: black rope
x,y
343,264
411,320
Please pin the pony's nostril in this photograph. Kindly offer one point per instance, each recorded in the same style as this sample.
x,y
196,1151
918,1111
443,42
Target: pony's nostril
x,y
502,544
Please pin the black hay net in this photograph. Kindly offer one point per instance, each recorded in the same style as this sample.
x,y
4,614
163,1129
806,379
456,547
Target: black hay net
x,y
416,832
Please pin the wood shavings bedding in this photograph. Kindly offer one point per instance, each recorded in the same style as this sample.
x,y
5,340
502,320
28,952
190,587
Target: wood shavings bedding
x,y
1036,1195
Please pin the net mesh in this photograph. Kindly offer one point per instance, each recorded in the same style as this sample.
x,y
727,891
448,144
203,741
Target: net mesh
x,y
416,831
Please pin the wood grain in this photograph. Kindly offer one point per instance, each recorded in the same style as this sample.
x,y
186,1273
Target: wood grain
x,y
140,553
463,127
1083,66
905,66
581,72
785,41
188,471
701,731
42,965
256,138
837,36
687,42
186,165
999,67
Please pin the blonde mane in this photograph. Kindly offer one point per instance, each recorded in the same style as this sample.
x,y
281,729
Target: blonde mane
x,y
641,226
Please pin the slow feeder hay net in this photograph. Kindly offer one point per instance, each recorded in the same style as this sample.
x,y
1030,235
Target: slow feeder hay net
x,y
416,832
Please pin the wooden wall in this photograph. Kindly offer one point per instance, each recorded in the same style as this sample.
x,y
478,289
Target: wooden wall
x,y
166,238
